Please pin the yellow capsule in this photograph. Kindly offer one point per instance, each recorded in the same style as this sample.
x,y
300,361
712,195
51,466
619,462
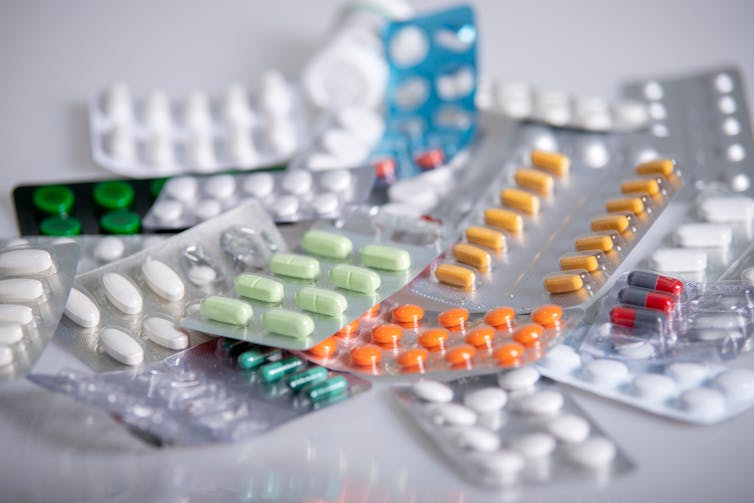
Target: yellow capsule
x,y
552,162
587,262
664,167
610,223
563,283
504,219
632,204
472,255
520,200
534,180
486,237
643,185
602,243
455,275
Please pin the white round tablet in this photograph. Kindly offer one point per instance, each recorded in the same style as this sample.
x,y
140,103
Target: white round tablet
x,y
655,387
451,414
705,402
326,203
569,428
220,186
535,445
167,212
432,391
259,184
10,333
562,358
182,188
336,180
504,465
108,249
478,439
606,372
486,400
297,182
541,403
737,384
285,207
518,379
409,46
687,374
207,208
594,453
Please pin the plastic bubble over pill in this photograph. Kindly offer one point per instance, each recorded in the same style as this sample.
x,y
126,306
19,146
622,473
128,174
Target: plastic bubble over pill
x,y
660,130
657,111
569,428
596,154
727,105
220,186
275,93
336,180
731,126
362,122
606,372
653,90
519,379
706,402
739,182
736,384
735,152
541,403
485,400
201,275
167,211
207,208
196,111
157,111
182,188
535,445
159,149
655,387
637,350
476,438
81,309
432,391
687,374
201,151
504,465
121,143
409,46
108,249
120,346
724,83
562,357
326,203
118,106
259,184
594,453
452,414
282,136
285,206
297,182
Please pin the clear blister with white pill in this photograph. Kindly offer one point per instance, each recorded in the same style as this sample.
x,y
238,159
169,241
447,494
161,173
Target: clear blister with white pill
x,y
219,391
35,280
161,135
289,196
339,271
512,429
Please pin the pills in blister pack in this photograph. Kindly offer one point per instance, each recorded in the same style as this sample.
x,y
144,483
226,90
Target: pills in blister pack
x,y
219,391
160,135
296,300
288,196
35,279
512,428
393,340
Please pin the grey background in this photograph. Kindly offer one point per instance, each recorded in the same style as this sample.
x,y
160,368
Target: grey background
x,y
56,55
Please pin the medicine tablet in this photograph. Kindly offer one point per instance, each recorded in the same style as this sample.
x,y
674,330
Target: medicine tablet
x,y
541,403
201,275
123,294
486,400
569,428
285,207
10,333
637,350
120,346
165,333
606,372
535,445
25,262
727,209
297,182
678,260
519,379
704,236
687,374
220,186
706,402
362,122
520,200
6,356
563,358
21,290
336,180
504,219
121,144
737,384
476,438
163,280
486,237
452,414
259,184
655,387
455,275
326,203
504,465
207,208
167,211
16,313
81,309
594,453
108,249
432,391
182,188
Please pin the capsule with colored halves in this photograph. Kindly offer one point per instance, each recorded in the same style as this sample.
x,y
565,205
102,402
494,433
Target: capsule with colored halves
x,y
649,299
654,281
637,318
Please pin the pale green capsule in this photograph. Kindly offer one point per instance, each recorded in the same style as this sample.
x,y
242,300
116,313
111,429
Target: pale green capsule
x,y
354,278
294,266
226,310
385,257
288,323
259,288
327,244
321,301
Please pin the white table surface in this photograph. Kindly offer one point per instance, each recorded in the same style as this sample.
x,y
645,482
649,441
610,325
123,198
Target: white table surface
x,y
56,55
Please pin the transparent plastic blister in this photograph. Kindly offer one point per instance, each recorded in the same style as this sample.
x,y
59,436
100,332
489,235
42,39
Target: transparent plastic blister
x,y
743,268
127,312
339,272
202,395
160,135
289,196
512,429
35,279
401,341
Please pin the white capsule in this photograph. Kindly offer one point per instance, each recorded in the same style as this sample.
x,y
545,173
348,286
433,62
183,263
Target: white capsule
x,y
432,391
687,374
6,356
486,400
121,144
123,294
504,465
259,184
207,208
21,290
562,358
202,275
81,309
362,122
16,313
518,379
748,276
535,445
297,182
285,207
117,103
655,387
165,333
196,111
453,414
10,333
163,280
704,236
476,438
167,212
108,249
336,180
706,402
569,428
220,186
541,403
120,346
160,149
669,260
606,372
182,188
594,453
326,203
727,209
157,111
737,384
25,262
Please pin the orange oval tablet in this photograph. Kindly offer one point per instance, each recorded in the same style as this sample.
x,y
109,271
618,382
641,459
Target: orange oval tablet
x,y
528,335
433,338
366,356
453,318
388,334
414,357
455,275
481,337
408,314
348,330
548,315
460,354
509,354
500,317
325,348
373,311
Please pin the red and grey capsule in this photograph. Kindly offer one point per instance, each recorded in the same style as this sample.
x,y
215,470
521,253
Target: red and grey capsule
x,y
646,298
656,282
636,318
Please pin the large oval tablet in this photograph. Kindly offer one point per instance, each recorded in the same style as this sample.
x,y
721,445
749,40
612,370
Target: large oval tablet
x,y
123,294
10,333
386,258
120,346
165,333
327,244
294,266
16,313
259,288
727,209
81,309
25,261
163,280
21,290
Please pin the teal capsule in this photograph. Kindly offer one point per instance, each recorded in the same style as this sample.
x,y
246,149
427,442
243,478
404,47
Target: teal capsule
x,y
309,376
251,359
327,244
273,371
327,389
386,258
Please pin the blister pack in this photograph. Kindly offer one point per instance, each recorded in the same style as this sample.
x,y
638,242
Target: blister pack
x,y
512,428
219,391
289,196
128,311
35,280
296,300
402,340
160,135
743,268
559,108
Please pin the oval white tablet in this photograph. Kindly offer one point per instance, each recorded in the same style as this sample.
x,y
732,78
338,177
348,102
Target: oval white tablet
x,y
737,384
25,262
705,402
21,290
297,182
452,414
727,209
594,453
6,356
569,428
535,445
687,374
81,309
163,280
120,346
478,439
123,294
259,184
432,391
10,333
201,275
336,180
504,465
167,212
541,403
220,186
16,313
518,379
108,249
678,260
562,358
655,387
704,236
326,203
182,188
606,372
486,400
165,333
